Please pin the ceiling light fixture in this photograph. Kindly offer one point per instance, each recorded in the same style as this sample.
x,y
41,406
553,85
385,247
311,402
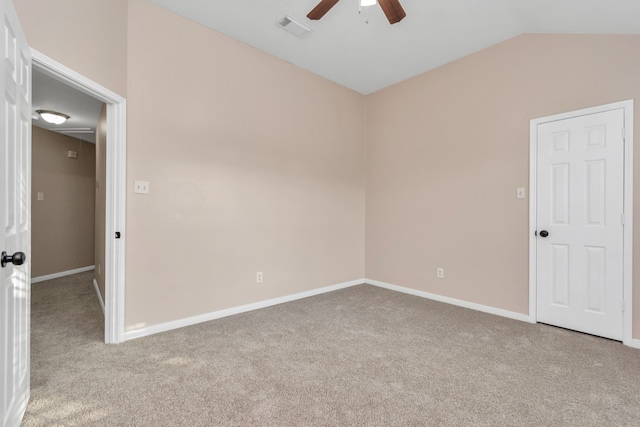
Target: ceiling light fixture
x,y
52,117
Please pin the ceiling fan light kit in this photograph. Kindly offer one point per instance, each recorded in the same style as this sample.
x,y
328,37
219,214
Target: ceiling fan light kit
x,y
391,8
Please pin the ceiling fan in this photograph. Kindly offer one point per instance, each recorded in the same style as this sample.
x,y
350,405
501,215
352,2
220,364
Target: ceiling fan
x,y
391,8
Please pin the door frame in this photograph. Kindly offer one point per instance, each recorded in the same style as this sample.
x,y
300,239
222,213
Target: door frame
x,y
627,272
116,158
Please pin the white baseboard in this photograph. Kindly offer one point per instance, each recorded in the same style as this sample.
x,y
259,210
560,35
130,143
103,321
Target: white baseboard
x,y
453,301
150,330
633,343
62,274
97,288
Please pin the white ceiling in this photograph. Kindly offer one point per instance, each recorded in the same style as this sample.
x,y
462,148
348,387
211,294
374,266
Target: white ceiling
x,y
51,94
367,57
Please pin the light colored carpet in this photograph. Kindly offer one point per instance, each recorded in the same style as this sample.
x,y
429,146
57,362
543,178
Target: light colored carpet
x,y
362,356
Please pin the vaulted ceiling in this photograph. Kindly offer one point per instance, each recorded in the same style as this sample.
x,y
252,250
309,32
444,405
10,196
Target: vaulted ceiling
x,y
362,51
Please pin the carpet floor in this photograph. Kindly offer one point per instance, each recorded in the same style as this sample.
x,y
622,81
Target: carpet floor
x,y
362,356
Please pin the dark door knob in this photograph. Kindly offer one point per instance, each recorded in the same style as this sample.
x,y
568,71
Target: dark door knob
x,y
17,259
544,233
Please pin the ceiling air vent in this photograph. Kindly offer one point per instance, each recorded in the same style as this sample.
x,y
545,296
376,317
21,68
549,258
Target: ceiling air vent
x,y
294,26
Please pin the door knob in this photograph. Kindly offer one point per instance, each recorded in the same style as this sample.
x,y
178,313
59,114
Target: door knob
x,y
544,233
17,259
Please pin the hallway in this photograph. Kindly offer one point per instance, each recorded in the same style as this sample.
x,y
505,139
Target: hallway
x,y
65,320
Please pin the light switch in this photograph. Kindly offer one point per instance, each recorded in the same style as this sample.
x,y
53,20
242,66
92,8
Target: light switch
x,y
141,187
520,193
40,197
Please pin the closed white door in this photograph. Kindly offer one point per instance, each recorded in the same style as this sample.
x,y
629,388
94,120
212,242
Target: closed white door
x,y
15,238
579,238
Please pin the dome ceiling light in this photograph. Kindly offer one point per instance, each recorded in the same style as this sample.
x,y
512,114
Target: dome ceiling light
x,y
52,117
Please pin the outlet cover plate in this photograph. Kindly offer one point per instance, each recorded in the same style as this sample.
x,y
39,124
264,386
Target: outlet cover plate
x,y
141,187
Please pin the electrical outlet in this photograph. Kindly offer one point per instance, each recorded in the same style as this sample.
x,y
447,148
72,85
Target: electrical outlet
x,y
440,273
259,277
141,187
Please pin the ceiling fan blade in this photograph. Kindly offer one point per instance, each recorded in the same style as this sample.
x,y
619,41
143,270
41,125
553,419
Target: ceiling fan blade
x,y
323,7
393,9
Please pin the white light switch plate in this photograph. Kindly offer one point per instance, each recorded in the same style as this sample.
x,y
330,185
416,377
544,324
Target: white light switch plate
x,y
520,193
141,187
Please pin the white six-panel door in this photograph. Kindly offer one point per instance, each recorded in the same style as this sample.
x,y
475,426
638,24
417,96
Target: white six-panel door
x,y
15,188
580,196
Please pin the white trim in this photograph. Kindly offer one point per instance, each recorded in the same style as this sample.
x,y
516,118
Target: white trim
x,y
115,221
61,274
453,301
115,188
627,106
163,327
627,337
533,222
97,288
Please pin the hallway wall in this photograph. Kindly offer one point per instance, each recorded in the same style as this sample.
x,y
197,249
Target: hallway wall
x,y
63,223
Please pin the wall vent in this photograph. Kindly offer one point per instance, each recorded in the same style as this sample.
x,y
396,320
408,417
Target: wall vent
x,y
294,26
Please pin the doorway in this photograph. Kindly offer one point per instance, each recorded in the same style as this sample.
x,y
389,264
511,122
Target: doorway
x,y
581,220
115,188
64,183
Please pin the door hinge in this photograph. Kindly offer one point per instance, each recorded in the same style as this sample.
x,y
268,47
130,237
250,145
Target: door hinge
x,y
622,219
622,306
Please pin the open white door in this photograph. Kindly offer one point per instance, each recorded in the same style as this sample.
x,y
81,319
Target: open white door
x,y
15,221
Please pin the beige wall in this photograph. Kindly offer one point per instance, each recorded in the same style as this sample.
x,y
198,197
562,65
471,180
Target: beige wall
x,y
447,150
62,224
100,197
89,37
254,165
